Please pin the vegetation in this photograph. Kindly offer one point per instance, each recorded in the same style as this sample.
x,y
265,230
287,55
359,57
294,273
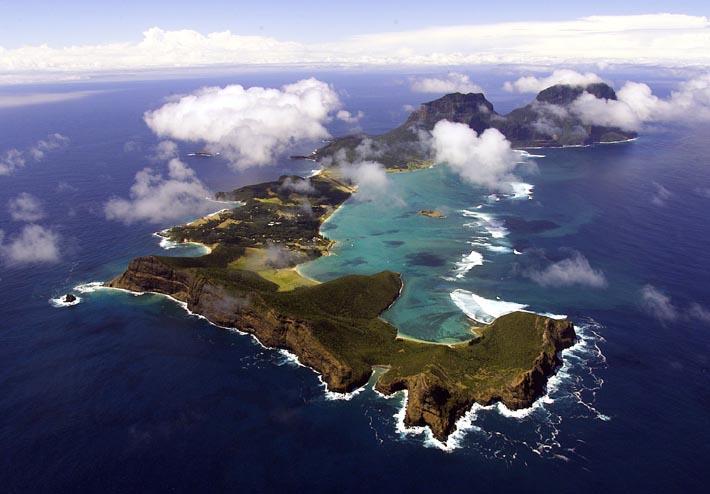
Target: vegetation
x,y
546,122
250,274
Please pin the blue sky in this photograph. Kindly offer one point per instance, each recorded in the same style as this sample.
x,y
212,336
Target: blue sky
x,y
67,22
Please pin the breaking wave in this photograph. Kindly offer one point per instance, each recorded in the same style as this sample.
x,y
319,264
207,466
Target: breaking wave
x,y
489,223
481,309
468,262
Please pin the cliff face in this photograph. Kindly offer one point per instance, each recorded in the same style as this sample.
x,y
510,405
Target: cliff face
x,y
437,396
219,306
473,109
433,400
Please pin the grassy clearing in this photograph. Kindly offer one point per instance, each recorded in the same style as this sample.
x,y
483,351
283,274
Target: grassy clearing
x,y
287,278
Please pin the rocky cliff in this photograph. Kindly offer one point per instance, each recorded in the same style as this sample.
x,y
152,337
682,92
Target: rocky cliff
x,y
344,346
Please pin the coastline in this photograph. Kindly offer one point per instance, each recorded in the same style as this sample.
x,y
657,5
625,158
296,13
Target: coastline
x,y
296,332
462,424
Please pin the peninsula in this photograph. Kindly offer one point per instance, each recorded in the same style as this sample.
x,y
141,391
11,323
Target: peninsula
x,y
249,281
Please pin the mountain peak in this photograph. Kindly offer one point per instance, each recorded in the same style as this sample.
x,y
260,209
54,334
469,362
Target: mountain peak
x,y
472,109
564,94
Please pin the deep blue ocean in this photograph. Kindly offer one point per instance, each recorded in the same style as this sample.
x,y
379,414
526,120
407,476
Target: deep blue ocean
x,y
125,393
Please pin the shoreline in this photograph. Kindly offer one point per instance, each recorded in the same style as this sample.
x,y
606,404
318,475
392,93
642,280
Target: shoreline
x,y
461,426
436,427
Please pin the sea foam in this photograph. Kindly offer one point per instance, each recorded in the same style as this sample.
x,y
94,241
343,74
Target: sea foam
x,y
59,302
468,262
521,190
481,309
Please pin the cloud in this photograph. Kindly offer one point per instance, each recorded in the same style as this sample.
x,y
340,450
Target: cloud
x,y
278,256
661,306
11,160
165,150
298,185
31,99
658,304
532,84
157,199
661,195
699,312
606,112
371,180
25,207
52,142
574,270
131,146
34,244
453,82
348,117
665,39
14,159
248,126
486,160
637,105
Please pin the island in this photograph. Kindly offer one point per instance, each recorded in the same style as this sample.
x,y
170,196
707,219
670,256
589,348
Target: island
x,y
431,213
250,281
548,121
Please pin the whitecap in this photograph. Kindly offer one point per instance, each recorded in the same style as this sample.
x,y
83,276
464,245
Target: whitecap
x,y
481,309
59,302
493,226
521,190
468,262
501,249
89,287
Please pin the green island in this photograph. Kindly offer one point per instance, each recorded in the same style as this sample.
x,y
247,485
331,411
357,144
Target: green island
x,y
249,281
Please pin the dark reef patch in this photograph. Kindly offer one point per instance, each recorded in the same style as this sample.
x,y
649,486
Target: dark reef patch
x,y
522,226
426,259
394,243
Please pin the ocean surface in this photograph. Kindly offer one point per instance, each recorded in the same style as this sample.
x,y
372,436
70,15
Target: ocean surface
x,y
127,393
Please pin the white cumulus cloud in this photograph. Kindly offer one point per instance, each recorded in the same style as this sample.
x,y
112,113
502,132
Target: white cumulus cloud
x,y
453,82
249,126
574,270
486,160
25,207
155,198
532,84
349,117
370,177
637,105
14,159
658,304
33,244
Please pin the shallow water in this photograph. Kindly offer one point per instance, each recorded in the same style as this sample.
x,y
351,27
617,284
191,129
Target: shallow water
x,y
124,392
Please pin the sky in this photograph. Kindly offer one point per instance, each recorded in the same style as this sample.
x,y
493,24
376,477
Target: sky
x,y
90,21
41,39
